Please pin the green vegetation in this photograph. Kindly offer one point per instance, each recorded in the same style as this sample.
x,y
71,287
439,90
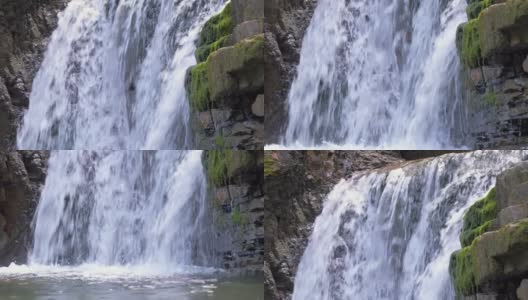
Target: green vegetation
x,y
461,270
238,218
215,34
220,142
470,44
199,87
491,98
475,7
217,165
270,165
478,218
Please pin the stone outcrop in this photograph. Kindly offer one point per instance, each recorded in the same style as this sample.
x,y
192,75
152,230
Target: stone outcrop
x,y
25,28
296,184
237,193
22,175
494,261
285,25
226,87
493,47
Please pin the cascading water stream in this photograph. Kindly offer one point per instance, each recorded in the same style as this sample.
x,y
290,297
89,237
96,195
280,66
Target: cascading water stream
x,y
389,234
113,76
124,208
378,74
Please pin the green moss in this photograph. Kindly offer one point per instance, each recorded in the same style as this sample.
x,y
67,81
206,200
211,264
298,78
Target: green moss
x,y
214,34
462,272
203,52
491,98
238,218
199,87
479,218
251,48
220,142
270,165
474,8
217,164
470,44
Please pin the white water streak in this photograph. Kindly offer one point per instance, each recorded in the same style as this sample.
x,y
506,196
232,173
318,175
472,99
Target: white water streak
x,y
378,74
390,234
113,76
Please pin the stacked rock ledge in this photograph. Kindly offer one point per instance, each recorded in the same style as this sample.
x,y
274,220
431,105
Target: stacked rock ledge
x,y
237,197
493,49
226,87
494,261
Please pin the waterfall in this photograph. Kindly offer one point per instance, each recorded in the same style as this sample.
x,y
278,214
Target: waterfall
x,y
124,208
378,74
389,234
113,76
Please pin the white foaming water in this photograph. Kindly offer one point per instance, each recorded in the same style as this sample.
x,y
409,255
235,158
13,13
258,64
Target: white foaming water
x,y
146,210
389,234
378,74
113,76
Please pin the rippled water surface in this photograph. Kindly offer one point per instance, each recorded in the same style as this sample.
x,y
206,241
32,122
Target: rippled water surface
x,y
93,282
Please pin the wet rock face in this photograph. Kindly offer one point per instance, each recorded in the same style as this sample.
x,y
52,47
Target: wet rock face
x,y
237,194
285,24
296,184
493,47
22,175
25,28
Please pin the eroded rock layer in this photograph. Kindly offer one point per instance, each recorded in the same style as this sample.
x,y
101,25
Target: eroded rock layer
x,y
237,192
493,47
22,175
226,88
25,28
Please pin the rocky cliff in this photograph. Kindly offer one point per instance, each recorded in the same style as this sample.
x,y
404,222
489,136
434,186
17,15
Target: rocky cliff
x,y
226,88
493,264
285,24
493,47
22,175
296,184
236,192
25,28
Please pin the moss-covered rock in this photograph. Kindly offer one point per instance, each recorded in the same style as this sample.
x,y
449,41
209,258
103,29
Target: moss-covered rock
x,y
224,166
227,72
469,44
270,164
461,271
215,33
198,87
476,6
492,258
495,26
237,69
479,218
